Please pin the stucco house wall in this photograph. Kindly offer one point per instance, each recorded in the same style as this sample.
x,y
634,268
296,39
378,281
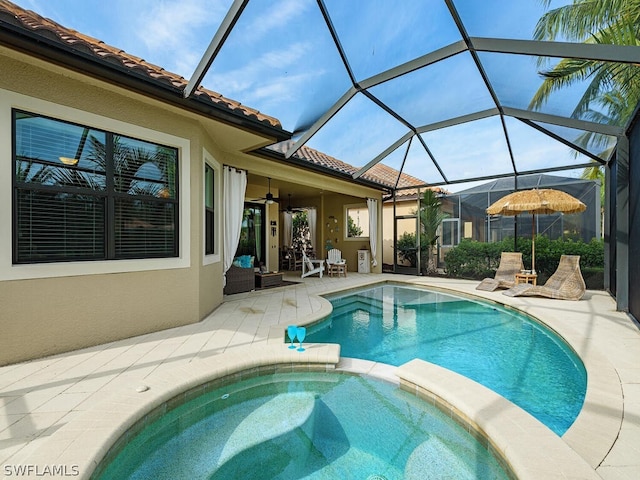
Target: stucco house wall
x,y
54,307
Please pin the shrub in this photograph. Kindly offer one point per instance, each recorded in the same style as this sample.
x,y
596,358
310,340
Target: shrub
x,y
407,250
476,260
472,259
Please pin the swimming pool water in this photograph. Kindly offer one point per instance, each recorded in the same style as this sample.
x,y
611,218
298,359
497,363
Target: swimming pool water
x,y
499,348
304,425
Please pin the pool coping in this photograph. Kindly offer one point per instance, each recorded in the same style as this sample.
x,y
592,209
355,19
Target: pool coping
x,y
509,430
513,435
85,439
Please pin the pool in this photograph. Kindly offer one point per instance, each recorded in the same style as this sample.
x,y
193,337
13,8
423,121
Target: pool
x,y
303,425
506,351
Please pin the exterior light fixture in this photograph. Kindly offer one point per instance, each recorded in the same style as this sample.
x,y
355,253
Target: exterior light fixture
x,y
69,161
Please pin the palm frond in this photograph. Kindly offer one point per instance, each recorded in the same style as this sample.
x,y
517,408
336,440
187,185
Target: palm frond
x,y
577,21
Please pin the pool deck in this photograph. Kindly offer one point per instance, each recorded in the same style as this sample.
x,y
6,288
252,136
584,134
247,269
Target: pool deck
x,y
46,404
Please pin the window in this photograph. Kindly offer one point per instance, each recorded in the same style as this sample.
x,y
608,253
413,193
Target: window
x,y
209,203
450,232
86,194
357,218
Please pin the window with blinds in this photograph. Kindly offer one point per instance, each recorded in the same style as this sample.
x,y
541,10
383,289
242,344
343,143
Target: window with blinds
x,y
86,194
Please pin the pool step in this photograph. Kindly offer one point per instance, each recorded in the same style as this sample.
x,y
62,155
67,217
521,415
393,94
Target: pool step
x,y
289,435
276,418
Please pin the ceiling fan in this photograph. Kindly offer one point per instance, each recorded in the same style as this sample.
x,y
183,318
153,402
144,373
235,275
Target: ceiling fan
x,y
291,209
269,198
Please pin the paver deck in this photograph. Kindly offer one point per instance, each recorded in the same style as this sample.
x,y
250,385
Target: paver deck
x,y
43,400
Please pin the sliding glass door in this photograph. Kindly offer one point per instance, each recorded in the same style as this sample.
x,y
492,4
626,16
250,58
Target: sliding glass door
x,y
252,233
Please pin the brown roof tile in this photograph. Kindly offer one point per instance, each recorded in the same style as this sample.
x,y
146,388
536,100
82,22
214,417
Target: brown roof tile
x,y
381,174
47,28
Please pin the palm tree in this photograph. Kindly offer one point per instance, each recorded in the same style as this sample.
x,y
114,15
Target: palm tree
x,y
431,217
613,87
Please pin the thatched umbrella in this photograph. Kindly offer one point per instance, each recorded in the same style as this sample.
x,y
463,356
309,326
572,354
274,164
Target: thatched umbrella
x,y
534,201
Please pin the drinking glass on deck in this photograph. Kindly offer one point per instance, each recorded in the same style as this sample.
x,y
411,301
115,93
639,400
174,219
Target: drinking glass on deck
x,y
301,332
292,331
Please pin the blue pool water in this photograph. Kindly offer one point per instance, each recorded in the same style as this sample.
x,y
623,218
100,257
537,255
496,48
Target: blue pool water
x,y
499,348
304,425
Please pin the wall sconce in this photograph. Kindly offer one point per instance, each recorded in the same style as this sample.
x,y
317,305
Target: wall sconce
x,y
69,161
274,228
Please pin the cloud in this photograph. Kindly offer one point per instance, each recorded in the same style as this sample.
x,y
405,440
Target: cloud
x,y
271,19
174,35
256,81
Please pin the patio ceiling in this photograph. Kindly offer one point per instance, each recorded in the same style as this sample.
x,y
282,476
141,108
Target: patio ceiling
x,y
437,90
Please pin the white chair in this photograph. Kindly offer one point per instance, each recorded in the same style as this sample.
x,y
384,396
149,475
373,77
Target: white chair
x,y
310,266
335,263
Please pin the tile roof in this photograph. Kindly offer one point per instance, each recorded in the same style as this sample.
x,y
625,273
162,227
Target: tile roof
x,y
107,54
381,174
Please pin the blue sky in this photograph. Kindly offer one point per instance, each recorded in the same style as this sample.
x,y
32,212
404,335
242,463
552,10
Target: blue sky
x,y
283,65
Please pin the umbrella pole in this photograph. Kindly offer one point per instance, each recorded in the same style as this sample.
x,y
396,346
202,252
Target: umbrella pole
x,y
533,243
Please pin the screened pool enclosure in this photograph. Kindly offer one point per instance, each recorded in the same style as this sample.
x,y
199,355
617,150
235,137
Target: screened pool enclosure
x,y
467,217
446,91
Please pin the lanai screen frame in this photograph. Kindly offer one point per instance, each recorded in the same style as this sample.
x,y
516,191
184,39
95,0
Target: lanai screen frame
x,y
475,46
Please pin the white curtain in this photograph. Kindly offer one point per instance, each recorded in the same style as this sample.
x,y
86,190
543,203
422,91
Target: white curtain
x,y
311,219
235,186
288,229
372,205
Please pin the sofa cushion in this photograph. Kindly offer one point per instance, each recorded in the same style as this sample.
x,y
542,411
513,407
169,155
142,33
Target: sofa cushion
x,y
243,261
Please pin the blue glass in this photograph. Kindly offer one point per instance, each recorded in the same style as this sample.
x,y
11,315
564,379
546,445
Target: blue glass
x,y
301,333
292,331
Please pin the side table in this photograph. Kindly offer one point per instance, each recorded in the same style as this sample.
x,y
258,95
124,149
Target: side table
x,y
527,278
268,280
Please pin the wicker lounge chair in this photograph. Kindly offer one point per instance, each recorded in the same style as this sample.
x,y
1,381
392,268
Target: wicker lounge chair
x,y
566,283
510,264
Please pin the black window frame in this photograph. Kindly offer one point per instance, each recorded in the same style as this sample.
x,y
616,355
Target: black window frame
x,y
114,238
209,212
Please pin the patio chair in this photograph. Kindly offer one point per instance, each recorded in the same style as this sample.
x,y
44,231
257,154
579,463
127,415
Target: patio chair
x,y
335,263
505,277
566,283
311,267
295,259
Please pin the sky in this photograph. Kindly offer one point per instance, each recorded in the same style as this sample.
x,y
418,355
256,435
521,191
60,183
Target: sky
x,y
280,60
